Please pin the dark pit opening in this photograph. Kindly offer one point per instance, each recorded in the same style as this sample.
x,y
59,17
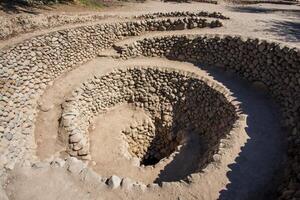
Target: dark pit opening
x,y
149,160
177,105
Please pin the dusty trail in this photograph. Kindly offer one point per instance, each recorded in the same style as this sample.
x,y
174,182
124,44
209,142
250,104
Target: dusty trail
x,y
263,154
263,20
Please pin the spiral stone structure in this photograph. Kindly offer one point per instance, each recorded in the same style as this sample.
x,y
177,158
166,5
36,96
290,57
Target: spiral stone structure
x,y
180,106
175,102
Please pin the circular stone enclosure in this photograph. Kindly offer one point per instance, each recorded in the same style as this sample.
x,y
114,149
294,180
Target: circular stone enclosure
x,y
179,105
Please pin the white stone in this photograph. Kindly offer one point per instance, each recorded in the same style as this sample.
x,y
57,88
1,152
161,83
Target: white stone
x,y
114,182
127,183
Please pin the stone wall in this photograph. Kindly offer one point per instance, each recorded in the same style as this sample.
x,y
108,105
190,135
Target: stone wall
x,y
270,64
182,14
23,23
27,68
176,102
11,26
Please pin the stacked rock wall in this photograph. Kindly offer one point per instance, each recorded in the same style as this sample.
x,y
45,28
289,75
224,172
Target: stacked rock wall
x,y
27,68
183,14
275,66
23,23
176,102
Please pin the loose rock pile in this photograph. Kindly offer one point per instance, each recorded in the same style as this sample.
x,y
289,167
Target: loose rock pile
x,y
176,102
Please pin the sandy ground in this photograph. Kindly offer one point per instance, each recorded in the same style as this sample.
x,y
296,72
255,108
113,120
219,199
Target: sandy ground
x,y
247,167
277,22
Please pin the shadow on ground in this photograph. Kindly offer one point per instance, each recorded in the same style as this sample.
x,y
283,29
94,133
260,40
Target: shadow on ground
x,y
262,10
288,30
185,162
9,6
22,6
254,173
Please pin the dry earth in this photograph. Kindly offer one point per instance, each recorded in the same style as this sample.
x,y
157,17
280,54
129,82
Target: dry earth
x,y
254,153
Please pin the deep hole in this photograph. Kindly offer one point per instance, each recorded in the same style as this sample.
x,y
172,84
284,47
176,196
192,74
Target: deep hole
x,y
161,137
149,161
185,117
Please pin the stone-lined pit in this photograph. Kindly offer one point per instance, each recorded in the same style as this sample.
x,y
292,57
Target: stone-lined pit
x,y
178,103
27,68
270,65
141,141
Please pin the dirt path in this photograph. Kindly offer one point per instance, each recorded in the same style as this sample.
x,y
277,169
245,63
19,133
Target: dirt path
x,y
263,152
277,22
